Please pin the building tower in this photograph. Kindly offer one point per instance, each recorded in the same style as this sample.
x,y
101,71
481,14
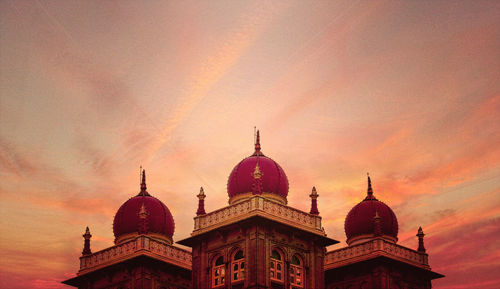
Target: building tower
x,y
143,256
258,241
372,259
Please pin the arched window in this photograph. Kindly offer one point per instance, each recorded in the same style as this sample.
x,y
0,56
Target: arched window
x,y
218,273
238,267
276,266
297,272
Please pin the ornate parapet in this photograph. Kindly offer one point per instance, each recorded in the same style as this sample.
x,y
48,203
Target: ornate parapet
x,y
375,248
258,206
142,245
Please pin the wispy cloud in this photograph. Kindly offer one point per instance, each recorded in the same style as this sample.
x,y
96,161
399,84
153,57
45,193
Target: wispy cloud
x,y
406,91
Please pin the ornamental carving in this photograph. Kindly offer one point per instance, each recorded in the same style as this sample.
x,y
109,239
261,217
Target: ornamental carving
x,y
141,245
259,206
376,247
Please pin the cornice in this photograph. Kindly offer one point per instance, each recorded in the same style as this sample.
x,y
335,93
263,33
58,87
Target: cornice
x,y
142,245
372,249
258,206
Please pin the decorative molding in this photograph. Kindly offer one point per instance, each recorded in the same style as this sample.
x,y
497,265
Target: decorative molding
x,y
142,245
258,206
375,248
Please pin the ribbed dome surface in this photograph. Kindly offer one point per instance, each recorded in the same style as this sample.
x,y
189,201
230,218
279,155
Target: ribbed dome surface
x,y
159,219
360,221
143,214
270,178
241,179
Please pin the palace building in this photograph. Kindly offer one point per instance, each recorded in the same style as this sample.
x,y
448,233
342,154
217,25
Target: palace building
x,y
256,241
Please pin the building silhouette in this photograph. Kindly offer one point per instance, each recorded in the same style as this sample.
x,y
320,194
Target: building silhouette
x,y
257,241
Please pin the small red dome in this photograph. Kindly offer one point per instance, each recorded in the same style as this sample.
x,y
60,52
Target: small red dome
x,y
361,219
143,214
272,178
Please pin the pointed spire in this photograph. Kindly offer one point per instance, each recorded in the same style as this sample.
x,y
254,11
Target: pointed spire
x,y
201,203
420,235
377,225
314,203
257,142
369,195
370,190
86,242
257,145
143,191
143,181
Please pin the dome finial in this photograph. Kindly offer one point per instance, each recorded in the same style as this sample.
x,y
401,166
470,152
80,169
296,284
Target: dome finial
x,y
143,191
257,143
369,195
143,181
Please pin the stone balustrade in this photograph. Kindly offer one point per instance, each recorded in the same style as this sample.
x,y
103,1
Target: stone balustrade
x,y
258,206
376,247
142,245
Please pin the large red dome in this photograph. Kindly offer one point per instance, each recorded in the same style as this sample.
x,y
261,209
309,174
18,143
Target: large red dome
x,y
143,214
257,170
360,223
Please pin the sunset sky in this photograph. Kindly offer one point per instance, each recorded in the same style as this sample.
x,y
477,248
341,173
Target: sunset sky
x,y
90,90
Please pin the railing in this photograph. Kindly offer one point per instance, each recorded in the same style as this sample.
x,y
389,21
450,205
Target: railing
x,y
142,245
258,206
375,247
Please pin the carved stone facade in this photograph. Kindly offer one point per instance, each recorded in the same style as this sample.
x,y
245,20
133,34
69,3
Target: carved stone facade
x,y
378,264
139,263
258,227
378,273
256,242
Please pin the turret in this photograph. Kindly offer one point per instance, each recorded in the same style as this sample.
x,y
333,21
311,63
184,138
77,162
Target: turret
x,y
201,203
314,204
86,242
420,235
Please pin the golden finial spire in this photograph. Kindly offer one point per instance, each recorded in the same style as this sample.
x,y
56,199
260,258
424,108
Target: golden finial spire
x,y
257,174
143,214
